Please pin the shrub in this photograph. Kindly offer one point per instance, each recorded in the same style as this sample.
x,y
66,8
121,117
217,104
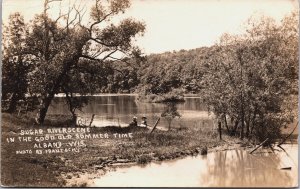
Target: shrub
x,y
143,159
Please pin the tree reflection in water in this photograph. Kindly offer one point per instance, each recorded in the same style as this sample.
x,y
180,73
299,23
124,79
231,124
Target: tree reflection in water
x,y
112,109
238,168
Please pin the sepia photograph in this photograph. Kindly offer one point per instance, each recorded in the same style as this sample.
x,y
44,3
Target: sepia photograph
x,y
149,93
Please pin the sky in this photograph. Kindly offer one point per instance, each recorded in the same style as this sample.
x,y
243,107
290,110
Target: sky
x,y
178,24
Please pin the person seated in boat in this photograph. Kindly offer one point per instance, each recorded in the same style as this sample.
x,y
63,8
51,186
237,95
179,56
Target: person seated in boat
x,y
144,121
134,122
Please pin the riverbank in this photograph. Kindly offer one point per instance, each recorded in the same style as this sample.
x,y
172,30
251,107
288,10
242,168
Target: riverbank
x,y
99,154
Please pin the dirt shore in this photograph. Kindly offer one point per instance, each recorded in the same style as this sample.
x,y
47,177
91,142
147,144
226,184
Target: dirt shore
x,y
112,146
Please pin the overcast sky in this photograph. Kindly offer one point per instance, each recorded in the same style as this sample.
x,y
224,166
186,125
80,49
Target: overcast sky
x,y
179,24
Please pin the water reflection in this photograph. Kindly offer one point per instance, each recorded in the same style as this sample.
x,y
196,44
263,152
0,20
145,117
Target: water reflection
x,y
119,110
238,168
235,168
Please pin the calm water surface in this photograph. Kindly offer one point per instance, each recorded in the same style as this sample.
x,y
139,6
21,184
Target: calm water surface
x,y
235,168
112,110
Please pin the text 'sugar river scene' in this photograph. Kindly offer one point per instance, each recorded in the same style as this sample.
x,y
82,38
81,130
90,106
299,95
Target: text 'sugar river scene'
x,y
120,93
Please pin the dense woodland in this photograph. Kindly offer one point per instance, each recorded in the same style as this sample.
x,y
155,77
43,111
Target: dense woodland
x,y
246,80
184,69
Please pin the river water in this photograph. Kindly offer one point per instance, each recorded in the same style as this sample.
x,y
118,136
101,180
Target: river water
x,y
232,168
118,110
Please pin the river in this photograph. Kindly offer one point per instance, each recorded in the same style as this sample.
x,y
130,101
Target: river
x,y
231,168
118,110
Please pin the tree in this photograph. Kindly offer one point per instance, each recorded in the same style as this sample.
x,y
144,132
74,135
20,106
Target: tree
x,y
248,79
15,63
60,45
170,113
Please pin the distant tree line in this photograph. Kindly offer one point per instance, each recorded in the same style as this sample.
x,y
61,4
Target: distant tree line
x,y
185,69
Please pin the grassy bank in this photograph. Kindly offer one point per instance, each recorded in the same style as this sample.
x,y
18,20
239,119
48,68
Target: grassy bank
x,y
54,169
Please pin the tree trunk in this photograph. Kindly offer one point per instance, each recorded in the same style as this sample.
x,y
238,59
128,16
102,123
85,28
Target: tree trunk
x,y
253,121
43,110
242,117
242,129
226,125
72,108
235,127
242,96
248,126
55,89
169,125
220,130
13,103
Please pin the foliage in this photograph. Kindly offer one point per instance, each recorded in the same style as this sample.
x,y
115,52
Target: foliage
x,y
159,74
170,113
250,76
15,64
144,159
244,79
59,46
162,73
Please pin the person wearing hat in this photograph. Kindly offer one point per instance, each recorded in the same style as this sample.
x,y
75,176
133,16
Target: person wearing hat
x,y
144,121
134,122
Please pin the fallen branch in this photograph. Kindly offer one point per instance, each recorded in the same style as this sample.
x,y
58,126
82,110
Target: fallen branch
x,y
259,145
273,150
282,148
283,141
155,125
286,168
92,119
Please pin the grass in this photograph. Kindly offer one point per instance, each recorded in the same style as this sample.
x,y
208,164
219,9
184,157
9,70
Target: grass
x,y
23,170
46,170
